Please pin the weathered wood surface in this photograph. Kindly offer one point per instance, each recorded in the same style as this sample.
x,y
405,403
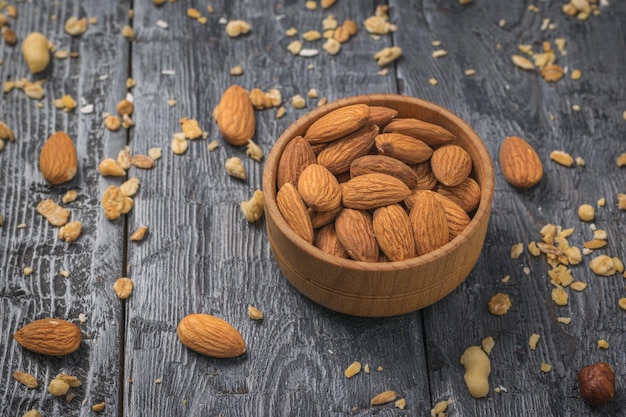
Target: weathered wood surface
x,y
201,255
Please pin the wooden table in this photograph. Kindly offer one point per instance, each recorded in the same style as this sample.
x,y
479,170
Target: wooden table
x,y
201,255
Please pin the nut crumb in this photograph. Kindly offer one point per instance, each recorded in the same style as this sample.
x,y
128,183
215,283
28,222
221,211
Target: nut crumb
x,y
470,72
517,250
387,55
384,398
564,320
533,340
546,367
70,232
253,208
298,102
401,404
353,369
254,313
488,344
123,288
622,303
499,304
98,407
139,234
236,70
235,168
26,379
69,196
213,145
28,270
562,158
55,214
235,28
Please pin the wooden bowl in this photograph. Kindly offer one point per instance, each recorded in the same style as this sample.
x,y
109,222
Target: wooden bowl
x,y
386,288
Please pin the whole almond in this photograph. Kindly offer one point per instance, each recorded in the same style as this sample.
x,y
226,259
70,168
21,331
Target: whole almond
x,y
381,115
451,164
429,133
393,232
337,123
53,337
294,211
210,336
58,162
371,191
327,240
466,194
296,156
339,154
235,116
403,147
457,218
425,178
319,188
370,164
429,223
519,163
322,218
356,233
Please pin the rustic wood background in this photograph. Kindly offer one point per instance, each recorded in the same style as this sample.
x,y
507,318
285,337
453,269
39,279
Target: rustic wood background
x,y
201,255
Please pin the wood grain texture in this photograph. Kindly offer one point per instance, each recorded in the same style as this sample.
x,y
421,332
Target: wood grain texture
x,y
95,259
201,255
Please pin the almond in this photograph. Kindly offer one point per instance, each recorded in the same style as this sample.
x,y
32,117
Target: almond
x,y
296,156
393,232
356,233
457,218
451,165
294,211
58,162
381,115
339,154
322,218
370,164
403,147
519,163
235,116
425,178
327,240
428,133
210,336
53,337
466,194
370,191
337,123
319,188
429,223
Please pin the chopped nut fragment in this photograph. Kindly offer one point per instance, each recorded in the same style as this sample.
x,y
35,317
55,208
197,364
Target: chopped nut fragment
x,y
112,122
295,47
603,344
384,398
470,72
578,286
353,369
620,160
115,203
236,28
128,32
213,145
517,250
236,70
522,62
109,167
254,313
595,244
235,168
70,232
622,303
280,112
533,340
129,187
564,320
379,25
125,107
499,304
325,4
28,270
123,288
488,344
98,407
26,379
576,74
191,129
130,83
253,208
291,32
154,153
55,214
562,158
298,102
310,5
440,53
311,35
621,201
552,73
171,103
75,26
440,408
142,162
586,212
254,151
58,387
179,146
387,55
546,367
602,265
139,234
559,296
433,81
123,158
331,46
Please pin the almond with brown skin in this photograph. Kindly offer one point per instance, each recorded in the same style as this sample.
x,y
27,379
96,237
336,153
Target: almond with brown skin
x,y
210,336
429,223
457,218
339,154
319,188
519,162
294,211
393,232
338,123
381,115
296,156
322,218
52,337
466,194
370,164
451,164
371,191
327,240
235,116
58,162
356,233
403,147
425,178
429,133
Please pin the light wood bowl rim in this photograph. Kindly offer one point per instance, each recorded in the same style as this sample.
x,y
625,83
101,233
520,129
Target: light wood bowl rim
x,y
269,184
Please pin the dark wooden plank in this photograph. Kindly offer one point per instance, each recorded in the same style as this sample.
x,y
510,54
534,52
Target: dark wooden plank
x,y
95,259
202,256
499,101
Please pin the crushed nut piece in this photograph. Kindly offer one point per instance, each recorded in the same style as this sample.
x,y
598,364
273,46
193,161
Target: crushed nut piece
x,y
254,151
559,296
254,313
533,340
139,234
253,208
28,270
517,250
191,129
115,203
387,55
213,145
26,379
562,158
128,32
331,46
32,413
353,369
179,146
129,187
123,288
522,62
311,5
55,214
112,122
578,286
602,265
440,408
69,196
70,232
236,70
98,407
236,28
564,320
499,304
110,167
75,26
603,344
235,168
546,367
622,303
488,344
298,102
154,153
384,398
58,387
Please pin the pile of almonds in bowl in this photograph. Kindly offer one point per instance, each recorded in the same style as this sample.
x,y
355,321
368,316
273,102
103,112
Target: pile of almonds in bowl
x,y
377,205
363,184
